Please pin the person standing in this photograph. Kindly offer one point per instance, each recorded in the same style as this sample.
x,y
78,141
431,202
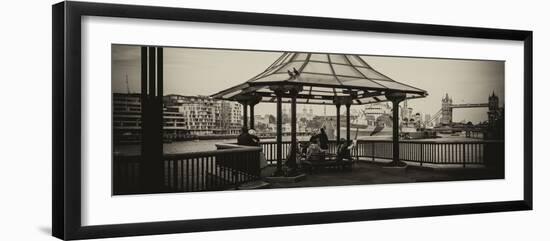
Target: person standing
x,y
323,139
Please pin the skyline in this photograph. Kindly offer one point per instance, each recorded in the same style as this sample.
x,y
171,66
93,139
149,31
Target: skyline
x,y
210,70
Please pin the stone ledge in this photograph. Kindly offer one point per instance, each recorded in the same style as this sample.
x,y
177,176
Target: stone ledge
x,y
254,185
394,169
297,178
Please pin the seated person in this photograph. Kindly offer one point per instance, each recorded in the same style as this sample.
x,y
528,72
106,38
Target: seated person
x,y
314,136
248,138
344,150
313,149
303,148
244,137
254,139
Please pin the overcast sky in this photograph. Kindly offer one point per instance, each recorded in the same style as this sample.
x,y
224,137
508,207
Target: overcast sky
x,y
205,71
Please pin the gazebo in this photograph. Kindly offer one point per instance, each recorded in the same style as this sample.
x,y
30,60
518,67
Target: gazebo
x,y
324,79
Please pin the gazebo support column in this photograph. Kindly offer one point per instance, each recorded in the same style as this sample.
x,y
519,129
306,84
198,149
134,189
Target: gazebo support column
x,y
245,113
338,123
151,178
348,122
395,98
279,171
293,141
254,100
252,116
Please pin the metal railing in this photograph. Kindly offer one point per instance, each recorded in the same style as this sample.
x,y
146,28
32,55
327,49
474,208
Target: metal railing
x,y
232,165
464,153
189,172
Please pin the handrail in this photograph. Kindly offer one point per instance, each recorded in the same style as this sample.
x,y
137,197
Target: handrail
x,y
194,171
484,152
169,156
404,141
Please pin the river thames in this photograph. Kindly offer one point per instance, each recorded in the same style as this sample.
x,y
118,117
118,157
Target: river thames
x,y
209,145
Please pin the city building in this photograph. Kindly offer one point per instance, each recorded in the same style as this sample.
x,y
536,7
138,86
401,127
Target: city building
x,y
306,114
427,120
126,118
202,115
184,117
231,117
261,123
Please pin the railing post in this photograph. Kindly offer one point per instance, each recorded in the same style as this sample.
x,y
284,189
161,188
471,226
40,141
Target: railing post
x,y
373,150
464,155
421,153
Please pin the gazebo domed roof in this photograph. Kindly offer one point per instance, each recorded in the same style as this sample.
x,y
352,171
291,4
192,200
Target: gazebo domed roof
x,y
322,78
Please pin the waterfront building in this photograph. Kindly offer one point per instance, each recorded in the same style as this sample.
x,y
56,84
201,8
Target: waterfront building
x,y
183,117
126,117
427,120
306,113
261,123
231,117
406,111
202,115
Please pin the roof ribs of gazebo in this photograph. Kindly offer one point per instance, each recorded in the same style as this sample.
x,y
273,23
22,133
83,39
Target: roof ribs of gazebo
x,y
320,79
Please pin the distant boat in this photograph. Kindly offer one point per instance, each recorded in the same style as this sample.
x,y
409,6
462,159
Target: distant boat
x,y
365,131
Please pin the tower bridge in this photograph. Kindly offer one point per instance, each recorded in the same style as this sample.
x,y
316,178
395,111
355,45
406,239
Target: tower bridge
x,y
454,106
445,114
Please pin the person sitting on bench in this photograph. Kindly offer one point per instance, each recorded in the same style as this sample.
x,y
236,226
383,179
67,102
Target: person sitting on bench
x,y
344,150
313,150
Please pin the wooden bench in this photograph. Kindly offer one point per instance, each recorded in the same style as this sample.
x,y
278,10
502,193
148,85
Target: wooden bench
x,y
321,160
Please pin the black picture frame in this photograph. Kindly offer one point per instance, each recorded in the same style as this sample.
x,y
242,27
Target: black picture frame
x,y
66,128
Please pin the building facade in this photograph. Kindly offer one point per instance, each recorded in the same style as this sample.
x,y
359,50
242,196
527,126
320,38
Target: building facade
x,y
202,115
231,117
494,111
446,110
184,117
126,118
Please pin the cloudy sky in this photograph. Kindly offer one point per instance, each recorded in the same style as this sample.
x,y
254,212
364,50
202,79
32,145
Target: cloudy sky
x,y
189,71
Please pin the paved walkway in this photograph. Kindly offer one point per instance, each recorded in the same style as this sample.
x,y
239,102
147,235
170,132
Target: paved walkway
x,y
373,173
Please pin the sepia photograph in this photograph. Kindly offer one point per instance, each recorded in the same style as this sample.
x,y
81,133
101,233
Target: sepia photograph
x,y
173,118
189,119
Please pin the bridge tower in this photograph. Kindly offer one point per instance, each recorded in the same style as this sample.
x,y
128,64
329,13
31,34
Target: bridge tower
x,y
493,108
446,110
